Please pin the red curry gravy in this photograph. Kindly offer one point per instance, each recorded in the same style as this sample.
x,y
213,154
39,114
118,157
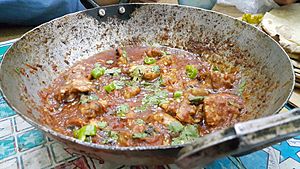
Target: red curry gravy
x,y
143,96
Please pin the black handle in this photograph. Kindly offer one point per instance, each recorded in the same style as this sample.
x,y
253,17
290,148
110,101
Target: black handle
x,y
88,4
243,138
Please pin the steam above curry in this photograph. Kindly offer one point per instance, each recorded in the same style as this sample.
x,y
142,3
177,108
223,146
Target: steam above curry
x,y
143,96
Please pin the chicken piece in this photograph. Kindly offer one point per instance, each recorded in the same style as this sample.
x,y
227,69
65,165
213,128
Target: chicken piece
x,y
92,109
130,92
75,121
163,118
166,60
222,80
169,78
170,107
123,58
71,89
149,72
154,53
186,112
221,109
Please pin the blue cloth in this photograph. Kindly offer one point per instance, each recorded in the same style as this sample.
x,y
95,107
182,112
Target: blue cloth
x,y
34,12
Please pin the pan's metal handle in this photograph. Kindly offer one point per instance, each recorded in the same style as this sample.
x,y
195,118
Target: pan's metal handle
x,y
243,138
89,4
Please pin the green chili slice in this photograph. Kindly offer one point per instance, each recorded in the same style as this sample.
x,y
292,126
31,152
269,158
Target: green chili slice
x,y
149,60
109,88
97,72
191,71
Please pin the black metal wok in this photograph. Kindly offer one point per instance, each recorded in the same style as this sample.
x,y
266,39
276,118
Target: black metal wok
x,y
63,41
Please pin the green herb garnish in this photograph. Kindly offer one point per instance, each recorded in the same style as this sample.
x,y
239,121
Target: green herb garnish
x,y
111,136
176,127
155,69
139,122
139,135
191,71
102,124
113,71
189,133
122,110
119,84
110,62
241,86
97,72
88,98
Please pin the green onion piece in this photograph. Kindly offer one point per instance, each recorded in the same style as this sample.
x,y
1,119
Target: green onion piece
x,y
196,100
191,71
122,110
175,127
102,124
88,130
149,60
97,72
109,88
139,135
177,94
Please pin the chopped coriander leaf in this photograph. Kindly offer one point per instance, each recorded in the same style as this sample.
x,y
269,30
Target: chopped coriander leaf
x,y
88,98
215,68
110,62
139,135
141,108
189,133
149,60
102,124
191,71
111,136
155,68
122,110
139,122
241,86
109,88
157,98
113,71
88,130
177,94
195,100
97,72
176,127
119,84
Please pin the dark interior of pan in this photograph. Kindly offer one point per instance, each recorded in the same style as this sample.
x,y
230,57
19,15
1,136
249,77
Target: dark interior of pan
x,y
60,43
